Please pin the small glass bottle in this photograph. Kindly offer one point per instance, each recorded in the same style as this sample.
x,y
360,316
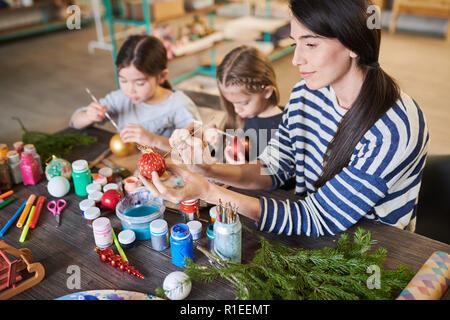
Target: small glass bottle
x,y
190,210
228,240
14,165
3,151
18,146
31,149
30,169
5,177
81,175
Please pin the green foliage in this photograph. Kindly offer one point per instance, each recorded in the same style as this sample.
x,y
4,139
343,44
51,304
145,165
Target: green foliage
x,y
280,272
59,145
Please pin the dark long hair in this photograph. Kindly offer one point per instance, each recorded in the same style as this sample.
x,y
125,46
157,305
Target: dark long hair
x,y
146,53
247,67
346,20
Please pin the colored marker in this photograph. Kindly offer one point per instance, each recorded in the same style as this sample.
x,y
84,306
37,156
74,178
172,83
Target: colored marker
x,y
11,221
119,248
37,212
6,194
27,225
6,202
25,212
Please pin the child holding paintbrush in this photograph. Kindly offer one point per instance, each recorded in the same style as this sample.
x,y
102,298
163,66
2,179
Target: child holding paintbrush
x,y
147,108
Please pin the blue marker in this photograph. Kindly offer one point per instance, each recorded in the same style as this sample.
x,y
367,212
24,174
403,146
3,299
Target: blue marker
x,y
11,221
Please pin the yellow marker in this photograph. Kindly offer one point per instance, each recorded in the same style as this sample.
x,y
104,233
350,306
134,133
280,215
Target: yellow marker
x,y
25,212
27,226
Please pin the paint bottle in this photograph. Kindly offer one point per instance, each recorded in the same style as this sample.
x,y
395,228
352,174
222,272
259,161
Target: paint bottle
x,y
96,196
107,173
228,240
18,146
126,239
131,184
31,149
92,187
195,227
14,165
159,234
3,151
85,204
181,244
81,176
30,169
210,236
102,232
5,177
101,180
90,214
190,210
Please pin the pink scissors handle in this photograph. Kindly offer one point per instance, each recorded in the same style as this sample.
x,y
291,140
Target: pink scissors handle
x,y
56,207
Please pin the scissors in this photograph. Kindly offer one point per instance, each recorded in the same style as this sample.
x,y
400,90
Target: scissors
x,y
56,208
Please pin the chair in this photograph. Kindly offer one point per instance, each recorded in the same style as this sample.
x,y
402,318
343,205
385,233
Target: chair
x,y
433,212
429,8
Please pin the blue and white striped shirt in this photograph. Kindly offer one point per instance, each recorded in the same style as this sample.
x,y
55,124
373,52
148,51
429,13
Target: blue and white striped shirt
x,y
380,182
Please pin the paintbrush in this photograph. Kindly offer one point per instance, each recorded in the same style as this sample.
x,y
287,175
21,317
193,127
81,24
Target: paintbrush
x,y
106,113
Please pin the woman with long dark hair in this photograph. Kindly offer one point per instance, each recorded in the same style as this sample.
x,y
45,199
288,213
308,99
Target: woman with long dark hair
x,y
355,143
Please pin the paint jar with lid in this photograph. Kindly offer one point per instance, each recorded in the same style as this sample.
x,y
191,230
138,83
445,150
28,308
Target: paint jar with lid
x,y
81,175
14,165
92,187
31,149
30,169
107,172
228,240
190,210
18,146
181,244
131,184
98,178
210,236
96,196
102,232
159,233
85,204
126,239
111,186
213,214
90,214
195,227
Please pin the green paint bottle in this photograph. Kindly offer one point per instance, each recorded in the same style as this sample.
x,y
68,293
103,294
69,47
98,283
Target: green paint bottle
x,y
81,177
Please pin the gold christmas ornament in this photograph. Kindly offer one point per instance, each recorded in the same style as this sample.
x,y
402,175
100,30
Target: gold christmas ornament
x,y
120,148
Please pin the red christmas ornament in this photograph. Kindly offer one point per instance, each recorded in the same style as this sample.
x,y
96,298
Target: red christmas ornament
x,y
149,162
107,255
110,199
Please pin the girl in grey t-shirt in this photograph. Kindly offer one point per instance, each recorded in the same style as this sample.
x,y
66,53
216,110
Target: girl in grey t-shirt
x,y
147,108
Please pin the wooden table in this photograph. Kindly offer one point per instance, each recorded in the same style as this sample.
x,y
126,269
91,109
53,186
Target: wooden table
x,y
72,244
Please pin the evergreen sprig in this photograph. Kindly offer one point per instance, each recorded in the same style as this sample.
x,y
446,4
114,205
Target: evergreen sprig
x,y
59,145
281,272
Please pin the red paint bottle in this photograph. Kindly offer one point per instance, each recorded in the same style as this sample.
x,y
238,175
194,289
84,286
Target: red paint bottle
x,y
30,169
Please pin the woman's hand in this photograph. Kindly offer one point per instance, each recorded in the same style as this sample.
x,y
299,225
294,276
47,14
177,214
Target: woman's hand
x,y
195,186
137,134
95,112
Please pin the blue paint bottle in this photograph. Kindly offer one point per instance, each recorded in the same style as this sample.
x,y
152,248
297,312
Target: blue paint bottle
x,y
181,245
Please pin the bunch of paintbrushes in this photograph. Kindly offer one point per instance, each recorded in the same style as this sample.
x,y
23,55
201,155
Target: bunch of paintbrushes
x,y
226,213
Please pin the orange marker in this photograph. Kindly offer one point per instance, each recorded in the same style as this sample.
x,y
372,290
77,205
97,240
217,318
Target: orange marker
x,y
25,212
37,212
6,194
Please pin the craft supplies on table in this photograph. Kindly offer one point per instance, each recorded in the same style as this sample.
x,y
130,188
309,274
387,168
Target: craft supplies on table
x,y
210,236
181,244
3,151
29,168
13,218
137,210
131,184
81,175
58,186
27,225
32,149
85,204
228,233
195,227
102,232
107,173
56,207
111,186
213,213
26,210
110,199
431,281
6,202
101,180
118,246
5,176
93,187
37,212
177,285
96,196
159,232
190,210
90,214
58,167
127,239
18,146
14,166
